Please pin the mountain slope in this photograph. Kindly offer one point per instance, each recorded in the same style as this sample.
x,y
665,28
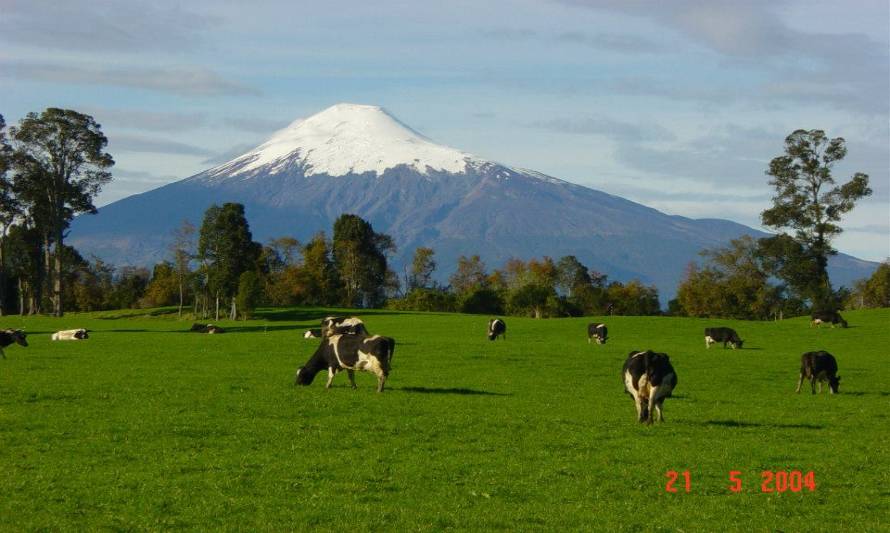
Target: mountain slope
x,y
359,159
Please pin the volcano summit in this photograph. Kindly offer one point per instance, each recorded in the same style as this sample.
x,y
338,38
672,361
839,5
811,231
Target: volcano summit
x,y
360,159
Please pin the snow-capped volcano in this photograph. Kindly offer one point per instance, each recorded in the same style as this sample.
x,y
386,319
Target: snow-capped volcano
x,y
420,193
346,139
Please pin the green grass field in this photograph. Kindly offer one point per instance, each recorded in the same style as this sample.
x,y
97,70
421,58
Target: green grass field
x,y
145,426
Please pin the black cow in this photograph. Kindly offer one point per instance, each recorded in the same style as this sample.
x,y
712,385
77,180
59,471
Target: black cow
x,y
339,325
496,327
831,317
597,331
820,366
649,378
724,335
9,336
206,328
349,352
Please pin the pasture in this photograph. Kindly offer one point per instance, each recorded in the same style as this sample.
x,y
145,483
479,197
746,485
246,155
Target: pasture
x,y
146,426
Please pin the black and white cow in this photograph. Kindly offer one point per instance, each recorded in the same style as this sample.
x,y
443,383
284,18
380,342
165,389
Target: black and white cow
x,y
496,327
597,331
349,352
71,335
649,378
339,325
832,318
819,366
312,334
724,335
207,328
9,336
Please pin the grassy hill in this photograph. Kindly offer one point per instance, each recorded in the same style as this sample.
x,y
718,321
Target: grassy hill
x,y
146,426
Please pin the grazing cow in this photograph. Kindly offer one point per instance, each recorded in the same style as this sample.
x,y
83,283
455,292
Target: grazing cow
x,y
832,317
496,327
724,335
338,325
820,366
206,328
71,335
649,378
349,352
598,332
9,336
312,334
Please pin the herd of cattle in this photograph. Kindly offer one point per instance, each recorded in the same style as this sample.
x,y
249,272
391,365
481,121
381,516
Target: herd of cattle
x,y
649,377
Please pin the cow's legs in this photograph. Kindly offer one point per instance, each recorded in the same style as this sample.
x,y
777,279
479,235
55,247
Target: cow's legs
x,y
2,353
653,394
351,374
658,410
813,384
381,379
799,382
331,372
820,386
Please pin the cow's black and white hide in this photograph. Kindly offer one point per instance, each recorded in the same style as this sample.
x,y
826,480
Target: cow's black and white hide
x,y
599,332
496,327
206,328
649,378
834,318
819,366
724,335
10,336
312,334
349,352
339,325
71,335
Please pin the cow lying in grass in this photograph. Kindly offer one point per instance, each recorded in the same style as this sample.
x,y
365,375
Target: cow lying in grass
x,y
9,336
649,378
833,318
349,352
339,325
206,328
71,335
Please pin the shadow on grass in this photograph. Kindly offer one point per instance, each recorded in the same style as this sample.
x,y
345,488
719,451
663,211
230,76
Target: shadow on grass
x,y
741,424
451,390
862,393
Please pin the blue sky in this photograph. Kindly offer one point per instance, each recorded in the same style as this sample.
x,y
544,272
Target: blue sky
x,y
678,105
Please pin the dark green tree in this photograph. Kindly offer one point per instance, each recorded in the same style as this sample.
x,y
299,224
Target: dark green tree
x,y
60,166
808,202
226,250
9,209
250,293
360,260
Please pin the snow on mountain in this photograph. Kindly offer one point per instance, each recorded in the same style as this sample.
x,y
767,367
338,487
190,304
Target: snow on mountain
x,y
346,139
420,193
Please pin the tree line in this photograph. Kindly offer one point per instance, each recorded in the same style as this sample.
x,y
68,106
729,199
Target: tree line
x,y
58,164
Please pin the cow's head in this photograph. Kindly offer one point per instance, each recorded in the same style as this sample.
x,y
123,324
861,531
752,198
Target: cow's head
x,y
303,378
738,343
81,334
833,384
843,323
19,336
